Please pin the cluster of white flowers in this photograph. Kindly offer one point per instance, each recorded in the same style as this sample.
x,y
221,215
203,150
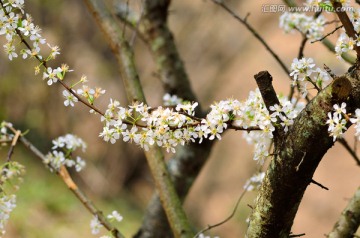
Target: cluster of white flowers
x,y
337,121
95,223
4,135
67,144
18,27
303,71
145,127
356,120
312,27
168,127
254,182
285,112
171,100
11,173
7,204
354,17
344,44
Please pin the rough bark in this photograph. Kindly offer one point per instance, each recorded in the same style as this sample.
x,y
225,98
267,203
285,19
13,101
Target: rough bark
x,y
349,220
297,155
187,163
168,197
184,168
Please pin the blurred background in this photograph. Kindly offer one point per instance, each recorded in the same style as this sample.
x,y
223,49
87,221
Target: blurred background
x,y
221,57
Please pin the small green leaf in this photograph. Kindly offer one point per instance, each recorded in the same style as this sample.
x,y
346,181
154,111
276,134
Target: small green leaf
x,y
61,75
91,99
326,6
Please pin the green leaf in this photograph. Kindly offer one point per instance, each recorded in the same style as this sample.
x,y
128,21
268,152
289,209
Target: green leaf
x,y
60,75
326,6
91,99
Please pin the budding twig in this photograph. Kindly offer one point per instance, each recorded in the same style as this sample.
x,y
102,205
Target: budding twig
x,y
65,176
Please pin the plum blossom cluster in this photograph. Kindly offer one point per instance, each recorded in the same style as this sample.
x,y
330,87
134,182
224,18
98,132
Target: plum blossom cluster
x,y
303,72
18,27
7,205
254,182
5,136
171,100
337,121
356,120
168,127
285,113
11,175
354,17
345,44
312,27
95,223
62,153
282,114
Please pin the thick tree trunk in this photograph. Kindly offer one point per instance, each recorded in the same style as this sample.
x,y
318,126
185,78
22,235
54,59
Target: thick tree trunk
x,y
297,155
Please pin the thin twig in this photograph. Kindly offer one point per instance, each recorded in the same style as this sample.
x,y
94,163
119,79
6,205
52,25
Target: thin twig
x,y
319,184
229,217
65,176
254,32
13,144
329,71
331,22
302,47
297,235
44,64
346,145
328,34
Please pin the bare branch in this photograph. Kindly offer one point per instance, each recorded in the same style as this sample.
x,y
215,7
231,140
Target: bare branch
x,y
254,32
209,227
328,34
64,175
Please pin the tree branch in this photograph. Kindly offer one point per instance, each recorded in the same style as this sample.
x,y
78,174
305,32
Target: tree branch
x,y
349,220
166,190
328,44
254,32
65,176
264,82
296,158
345,20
